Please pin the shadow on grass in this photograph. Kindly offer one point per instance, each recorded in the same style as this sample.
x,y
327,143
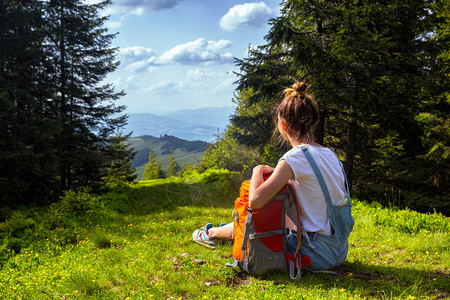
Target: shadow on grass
x,y
366,281
163,195
395,281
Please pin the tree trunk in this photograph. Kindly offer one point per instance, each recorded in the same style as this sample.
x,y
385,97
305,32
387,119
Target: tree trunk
x,y
351,144
319,132
65,166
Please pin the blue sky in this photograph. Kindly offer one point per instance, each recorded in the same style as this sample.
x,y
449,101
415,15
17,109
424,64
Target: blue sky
x,y
179,54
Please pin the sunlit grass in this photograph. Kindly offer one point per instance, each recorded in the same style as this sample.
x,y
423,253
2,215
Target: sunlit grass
x,y
146,252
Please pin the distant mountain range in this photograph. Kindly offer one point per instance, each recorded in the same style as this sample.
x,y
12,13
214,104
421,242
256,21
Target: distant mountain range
x,y
201,124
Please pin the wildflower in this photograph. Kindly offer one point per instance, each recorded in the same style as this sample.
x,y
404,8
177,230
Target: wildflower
x,y
342,290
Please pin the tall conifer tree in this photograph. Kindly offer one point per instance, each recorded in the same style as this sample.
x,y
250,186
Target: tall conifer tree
x,y
82,56
27,156
172,168
57,118
153,169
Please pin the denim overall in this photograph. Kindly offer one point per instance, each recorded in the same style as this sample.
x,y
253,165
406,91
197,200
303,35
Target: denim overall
x,y
326,251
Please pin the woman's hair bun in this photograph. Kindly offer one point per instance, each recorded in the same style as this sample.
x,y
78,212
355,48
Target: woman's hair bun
x,y
300,87
298,90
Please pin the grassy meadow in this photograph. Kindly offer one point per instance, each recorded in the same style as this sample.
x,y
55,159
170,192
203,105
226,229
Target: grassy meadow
x,y
134,242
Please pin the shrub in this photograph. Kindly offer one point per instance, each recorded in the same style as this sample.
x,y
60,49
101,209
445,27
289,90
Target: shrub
x,y
389,196
80,206
17,231
411,222
228,154
101,240
226,183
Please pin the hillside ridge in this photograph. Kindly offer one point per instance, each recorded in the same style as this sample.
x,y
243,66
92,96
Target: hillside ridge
x,y
184,151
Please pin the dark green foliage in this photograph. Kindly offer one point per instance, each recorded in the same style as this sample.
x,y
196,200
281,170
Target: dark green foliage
x,y
120,167
228,154
28,164
18,231
82,56
58,120
73,206
376,71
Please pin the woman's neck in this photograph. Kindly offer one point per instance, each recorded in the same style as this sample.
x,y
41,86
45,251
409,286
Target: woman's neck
x,y
303,141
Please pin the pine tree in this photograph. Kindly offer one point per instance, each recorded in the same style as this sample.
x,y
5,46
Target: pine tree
x,y
172,167
120,168
27,158
80,49
153,169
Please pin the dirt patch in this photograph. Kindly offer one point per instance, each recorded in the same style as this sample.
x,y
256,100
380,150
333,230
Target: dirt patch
x,y
177,265
211,282
364,275
239,279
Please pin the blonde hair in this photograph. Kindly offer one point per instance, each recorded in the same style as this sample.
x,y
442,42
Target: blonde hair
x,y
299,110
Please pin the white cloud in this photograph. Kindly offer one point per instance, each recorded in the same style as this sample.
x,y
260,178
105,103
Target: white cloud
x,y
113,24
219,45
162,86
137,59
198,51
91,1
198,74
142,6
130,82
172,87
224,86
136,53
121,10
137,66
246,15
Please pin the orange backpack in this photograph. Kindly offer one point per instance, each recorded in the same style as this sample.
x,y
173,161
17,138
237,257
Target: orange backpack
x,y
259,234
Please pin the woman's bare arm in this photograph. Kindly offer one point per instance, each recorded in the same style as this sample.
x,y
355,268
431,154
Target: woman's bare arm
x,y
262,191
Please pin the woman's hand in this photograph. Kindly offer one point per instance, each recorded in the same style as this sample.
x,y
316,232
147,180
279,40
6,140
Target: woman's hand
x,y
262,191
263,169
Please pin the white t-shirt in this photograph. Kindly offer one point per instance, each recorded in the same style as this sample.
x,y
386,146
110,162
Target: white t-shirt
x,y
313,206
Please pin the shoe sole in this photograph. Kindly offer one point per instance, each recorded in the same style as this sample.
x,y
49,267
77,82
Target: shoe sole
x,y
206,245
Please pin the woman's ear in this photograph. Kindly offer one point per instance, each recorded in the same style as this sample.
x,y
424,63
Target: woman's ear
x,y
283,124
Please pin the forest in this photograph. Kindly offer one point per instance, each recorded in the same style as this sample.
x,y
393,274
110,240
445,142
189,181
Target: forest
x,y
379,71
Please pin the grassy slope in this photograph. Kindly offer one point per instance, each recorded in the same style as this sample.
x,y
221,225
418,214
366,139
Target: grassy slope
x,y
181,157
143,250
142,146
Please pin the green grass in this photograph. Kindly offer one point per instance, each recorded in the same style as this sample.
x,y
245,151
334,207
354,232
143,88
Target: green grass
x,y
139,246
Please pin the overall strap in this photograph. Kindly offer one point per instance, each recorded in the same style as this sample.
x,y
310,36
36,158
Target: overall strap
x,y
349,200
319,176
